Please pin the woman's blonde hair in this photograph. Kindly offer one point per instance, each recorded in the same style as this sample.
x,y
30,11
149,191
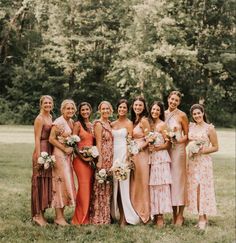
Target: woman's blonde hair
x,y
43,97
66,102
107,103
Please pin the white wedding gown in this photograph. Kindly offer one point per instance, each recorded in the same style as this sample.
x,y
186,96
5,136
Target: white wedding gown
x,y
120,150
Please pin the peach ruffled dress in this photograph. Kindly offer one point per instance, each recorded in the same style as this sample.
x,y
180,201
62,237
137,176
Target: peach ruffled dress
x,y
160,179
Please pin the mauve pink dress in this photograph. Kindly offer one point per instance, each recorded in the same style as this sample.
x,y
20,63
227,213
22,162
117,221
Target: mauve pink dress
x,y
63,187
178,161
160,179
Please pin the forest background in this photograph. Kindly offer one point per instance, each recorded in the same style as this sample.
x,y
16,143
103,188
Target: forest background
x,y
93,50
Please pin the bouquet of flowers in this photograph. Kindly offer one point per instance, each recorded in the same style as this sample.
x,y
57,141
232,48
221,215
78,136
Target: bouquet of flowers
x,y
120,170
72,140
90,153
132,146
46,160
151,137
171,134
194,147
102,176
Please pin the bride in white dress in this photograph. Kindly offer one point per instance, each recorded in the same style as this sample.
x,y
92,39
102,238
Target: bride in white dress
x,y
122,208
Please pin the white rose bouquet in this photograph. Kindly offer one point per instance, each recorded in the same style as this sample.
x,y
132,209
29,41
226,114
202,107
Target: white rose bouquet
x,y
90,154
72,140
194,147
45,160
132,146
102,176
120,170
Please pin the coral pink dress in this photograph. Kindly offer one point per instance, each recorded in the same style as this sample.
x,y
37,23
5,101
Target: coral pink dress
x,y
140,197
160,179
200,174
102,193
84,173
64,192
178,161
41,191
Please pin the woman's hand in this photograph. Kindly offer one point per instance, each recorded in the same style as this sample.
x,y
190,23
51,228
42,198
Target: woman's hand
x,y
68,150
99,163
151,147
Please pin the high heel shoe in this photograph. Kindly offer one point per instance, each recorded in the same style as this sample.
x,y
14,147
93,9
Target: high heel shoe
x,y
202,225
160,222
60,222
38,222
179,221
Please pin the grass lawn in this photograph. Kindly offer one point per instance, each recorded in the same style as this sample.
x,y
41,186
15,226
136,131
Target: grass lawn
x,y
16,146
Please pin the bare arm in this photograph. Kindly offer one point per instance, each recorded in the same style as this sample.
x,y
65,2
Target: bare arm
x,y
38,126
53,140
146,128
214,142
184,123
76,128
98,137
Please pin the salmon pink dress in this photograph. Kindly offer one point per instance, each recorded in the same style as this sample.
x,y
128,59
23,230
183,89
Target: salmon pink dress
x,y
140,197
102,193
84,173
41,191
200,175
64,192
178,161
160,179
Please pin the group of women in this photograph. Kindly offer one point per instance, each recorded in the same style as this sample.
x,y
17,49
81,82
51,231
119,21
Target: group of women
x,y
161,181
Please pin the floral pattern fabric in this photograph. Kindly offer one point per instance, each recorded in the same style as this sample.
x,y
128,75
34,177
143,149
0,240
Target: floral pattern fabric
x,y
200,175
101,194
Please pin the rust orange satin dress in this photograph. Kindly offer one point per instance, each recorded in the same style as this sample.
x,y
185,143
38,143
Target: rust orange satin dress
x,y
84,174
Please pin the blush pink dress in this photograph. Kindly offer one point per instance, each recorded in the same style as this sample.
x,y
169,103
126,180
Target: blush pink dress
x,y
102,193
63,187
140,197
178,161
160,179
200,174
41,190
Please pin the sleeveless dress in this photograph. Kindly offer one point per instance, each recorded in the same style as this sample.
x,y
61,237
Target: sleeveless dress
x,y
84,173
160,179
41,190
178,162
140,197
102,193
64,192
120,151
200,173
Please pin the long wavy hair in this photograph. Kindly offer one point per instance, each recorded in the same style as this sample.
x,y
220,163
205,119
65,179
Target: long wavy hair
x,y
144,112
79,116
162,113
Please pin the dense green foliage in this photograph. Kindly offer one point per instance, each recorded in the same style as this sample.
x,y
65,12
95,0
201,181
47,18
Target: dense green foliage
x,y
96,50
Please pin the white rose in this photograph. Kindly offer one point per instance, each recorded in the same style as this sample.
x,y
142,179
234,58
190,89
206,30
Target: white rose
x,y
94,152
40,161
100,181
53,158
44,155
102,172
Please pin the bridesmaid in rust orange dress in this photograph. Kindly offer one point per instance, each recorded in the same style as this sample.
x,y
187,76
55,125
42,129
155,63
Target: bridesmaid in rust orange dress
x,y
84,172
41,192
140,197
101,195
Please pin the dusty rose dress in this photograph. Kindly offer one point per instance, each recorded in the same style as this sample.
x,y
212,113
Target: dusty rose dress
x,y
84,173
102,193
178,159
140,197
200,173
64,192
160,179
41,191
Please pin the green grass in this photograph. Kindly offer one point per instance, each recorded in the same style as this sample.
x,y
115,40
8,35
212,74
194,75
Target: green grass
x,y
15,220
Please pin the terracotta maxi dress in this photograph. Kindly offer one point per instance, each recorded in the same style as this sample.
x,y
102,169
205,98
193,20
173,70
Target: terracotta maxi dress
x,y
178,162
41,191
200,175
64,192
160,179
102,193
84,173
140,178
